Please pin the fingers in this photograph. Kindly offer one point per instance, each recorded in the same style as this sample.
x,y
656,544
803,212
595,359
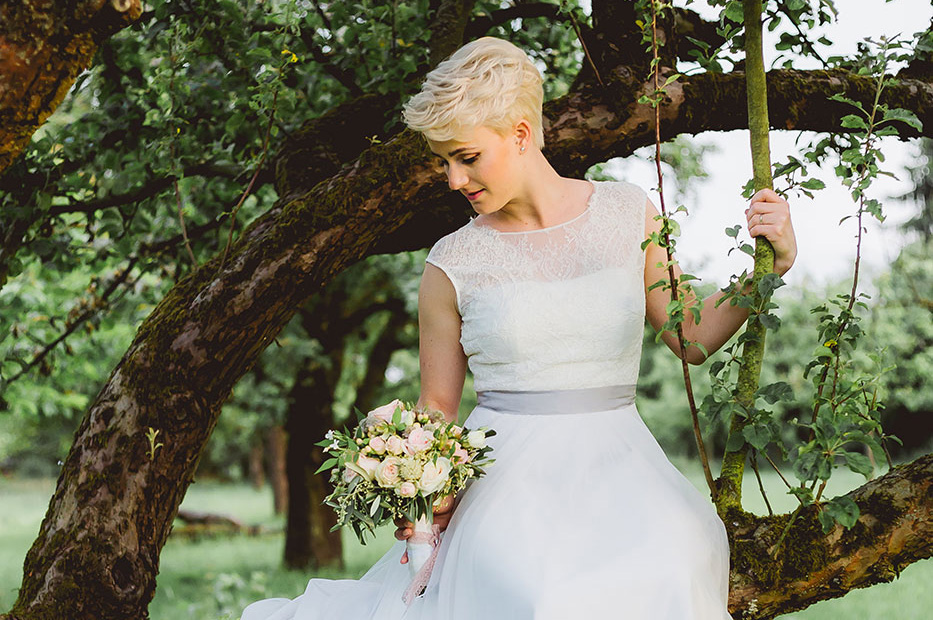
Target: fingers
x,y
768,215
445,505
404,559
404,530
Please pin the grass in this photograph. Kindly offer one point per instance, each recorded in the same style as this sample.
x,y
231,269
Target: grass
x,y
214,578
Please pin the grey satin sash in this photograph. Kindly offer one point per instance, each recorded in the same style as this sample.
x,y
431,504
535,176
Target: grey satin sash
x,y
557,401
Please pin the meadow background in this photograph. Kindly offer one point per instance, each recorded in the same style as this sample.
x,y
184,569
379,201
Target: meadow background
x,y
216,576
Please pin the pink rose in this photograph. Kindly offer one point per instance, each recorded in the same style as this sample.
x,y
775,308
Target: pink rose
x,y
378,445
460,454
419,440
395,444
386,412
407,489
387,473
349,475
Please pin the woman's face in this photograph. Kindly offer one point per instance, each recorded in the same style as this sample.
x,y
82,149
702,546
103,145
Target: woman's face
x,y
483,166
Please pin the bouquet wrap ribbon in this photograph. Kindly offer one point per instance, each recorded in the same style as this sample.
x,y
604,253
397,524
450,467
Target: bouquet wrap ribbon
x,y
422,548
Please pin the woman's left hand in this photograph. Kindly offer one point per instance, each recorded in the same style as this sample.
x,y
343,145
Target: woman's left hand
x,y
769,215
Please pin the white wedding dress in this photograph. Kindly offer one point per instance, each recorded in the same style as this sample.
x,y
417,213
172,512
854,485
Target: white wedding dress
x,y
582,516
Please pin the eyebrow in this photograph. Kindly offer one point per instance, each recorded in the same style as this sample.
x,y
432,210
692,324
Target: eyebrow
x,y
454,152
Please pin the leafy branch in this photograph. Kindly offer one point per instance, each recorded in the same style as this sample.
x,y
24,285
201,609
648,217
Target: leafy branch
x,y
683,299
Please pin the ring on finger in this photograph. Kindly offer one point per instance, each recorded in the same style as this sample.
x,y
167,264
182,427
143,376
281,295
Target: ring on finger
x,y
760,222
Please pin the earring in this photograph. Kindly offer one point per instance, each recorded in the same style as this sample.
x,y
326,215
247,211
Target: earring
x,y
522,150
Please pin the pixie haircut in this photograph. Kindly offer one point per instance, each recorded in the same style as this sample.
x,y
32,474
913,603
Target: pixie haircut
x,y
488,82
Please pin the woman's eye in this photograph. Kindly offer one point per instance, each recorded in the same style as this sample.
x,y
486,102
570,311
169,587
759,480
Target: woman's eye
x,y
470,160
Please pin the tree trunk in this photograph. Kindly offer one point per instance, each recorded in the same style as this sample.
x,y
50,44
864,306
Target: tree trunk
x,y
257,474
276,442
309,543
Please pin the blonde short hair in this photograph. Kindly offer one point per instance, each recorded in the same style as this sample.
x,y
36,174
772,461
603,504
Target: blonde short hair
x,y
487,82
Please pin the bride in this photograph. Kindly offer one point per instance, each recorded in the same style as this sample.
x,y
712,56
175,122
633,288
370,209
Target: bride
x,y
543,296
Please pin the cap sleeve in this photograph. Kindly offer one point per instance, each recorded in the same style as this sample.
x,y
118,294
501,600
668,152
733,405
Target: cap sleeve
x,y
441,256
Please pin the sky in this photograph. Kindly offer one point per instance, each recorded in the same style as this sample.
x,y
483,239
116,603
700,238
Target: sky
x,y
826,249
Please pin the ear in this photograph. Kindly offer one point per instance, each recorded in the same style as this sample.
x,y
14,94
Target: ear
x,y
522,133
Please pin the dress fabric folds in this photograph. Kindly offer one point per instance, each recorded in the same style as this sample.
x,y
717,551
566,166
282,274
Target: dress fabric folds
x,y
582,515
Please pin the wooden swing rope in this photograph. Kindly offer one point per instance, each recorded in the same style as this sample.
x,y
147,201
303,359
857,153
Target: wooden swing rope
x,y
733,463
665,230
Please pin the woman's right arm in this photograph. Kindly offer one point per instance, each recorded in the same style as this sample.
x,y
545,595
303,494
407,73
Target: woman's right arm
x,y
443,363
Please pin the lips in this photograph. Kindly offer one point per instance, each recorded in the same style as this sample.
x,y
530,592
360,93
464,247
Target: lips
x,y
473,195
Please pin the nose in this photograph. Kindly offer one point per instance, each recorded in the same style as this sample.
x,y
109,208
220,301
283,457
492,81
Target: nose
x,y
456,177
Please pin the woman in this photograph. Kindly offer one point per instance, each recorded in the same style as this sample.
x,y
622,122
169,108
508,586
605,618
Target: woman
x,y
544,295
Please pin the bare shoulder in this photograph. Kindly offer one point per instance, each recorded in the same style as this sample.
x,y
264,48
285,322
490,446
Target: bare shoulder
x,y
437,292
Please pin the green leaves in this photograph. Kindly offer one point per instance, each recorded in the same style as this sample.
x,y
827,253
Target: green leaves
x,y
842,510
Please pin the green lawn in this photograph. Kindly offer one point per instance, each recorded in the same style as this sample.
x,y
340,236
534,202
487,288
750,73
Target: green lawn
x,y
214,578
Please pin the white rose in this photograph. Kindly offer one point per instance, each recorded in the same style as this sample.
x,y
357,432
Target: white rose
x,y
408,417
407,489
476,439
387,472
434,476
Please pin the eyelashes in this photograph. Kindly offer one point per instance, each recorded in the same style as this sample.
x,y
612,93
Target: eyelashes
x,y
441,162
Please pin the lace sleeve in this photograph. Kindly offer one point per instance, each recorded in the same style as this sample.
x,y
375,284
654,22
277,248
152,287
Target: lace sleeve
x,y
439,256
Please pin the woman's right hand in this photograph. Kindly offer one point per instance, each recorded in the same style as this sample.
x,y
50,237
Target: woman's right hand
x,y
443,510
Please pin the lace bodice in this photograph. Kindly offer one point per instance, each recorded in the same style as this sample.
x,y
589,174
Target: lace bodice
x,y
558,308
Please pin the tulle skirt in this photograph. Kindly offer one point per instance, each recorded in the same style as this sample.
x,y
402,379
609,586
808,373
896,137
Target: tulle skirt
x,y
582,516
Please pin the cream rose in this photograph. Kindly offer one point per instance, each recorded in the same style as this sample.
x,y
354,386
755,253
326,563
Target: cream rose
x,y
386,412
378,445
434,476
365,466
387,473
395,444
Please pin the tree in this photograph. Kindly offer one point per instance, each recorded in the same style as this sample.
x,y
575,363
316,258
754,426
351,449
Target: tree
x,y
350,183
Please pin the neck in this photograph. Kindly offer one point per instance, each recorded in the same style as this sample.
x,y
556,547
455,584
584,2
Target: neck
x,y
546,198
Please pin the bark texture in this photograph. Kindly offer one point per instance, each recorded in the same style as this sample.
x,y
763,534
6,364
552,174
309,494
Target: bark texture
x,y
895,529
44,45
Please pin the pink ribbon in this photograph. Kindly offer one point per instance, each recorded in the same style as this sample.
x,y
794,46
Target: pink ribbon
x,y
420,581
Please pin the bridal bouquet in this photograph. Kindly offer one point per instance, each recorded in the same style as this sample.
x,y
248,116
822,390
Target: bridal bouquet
x,y
398,463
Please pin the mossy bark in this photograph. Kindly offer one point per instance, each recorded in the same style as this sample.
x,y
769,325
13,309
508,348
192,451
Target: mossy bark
x,y
894,529
44,45
733,463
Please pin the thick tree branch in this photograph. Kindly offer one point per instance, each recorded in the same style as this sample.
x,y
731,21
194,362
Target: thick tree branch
x,y
894,530
44,45
482,24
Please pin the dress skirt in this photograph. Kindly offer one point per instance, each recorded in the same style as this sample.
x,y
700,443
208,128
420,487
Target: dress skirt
x,y
582,516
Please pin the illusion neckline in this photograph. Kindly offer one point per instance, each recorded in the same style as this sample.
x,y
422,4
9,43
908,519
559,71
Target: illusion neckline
x,y
586,209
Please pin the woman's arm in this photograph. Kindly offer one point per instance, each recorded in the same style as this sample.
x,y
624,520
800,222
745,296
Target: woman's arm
x,y
768,215
443,363
443,366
